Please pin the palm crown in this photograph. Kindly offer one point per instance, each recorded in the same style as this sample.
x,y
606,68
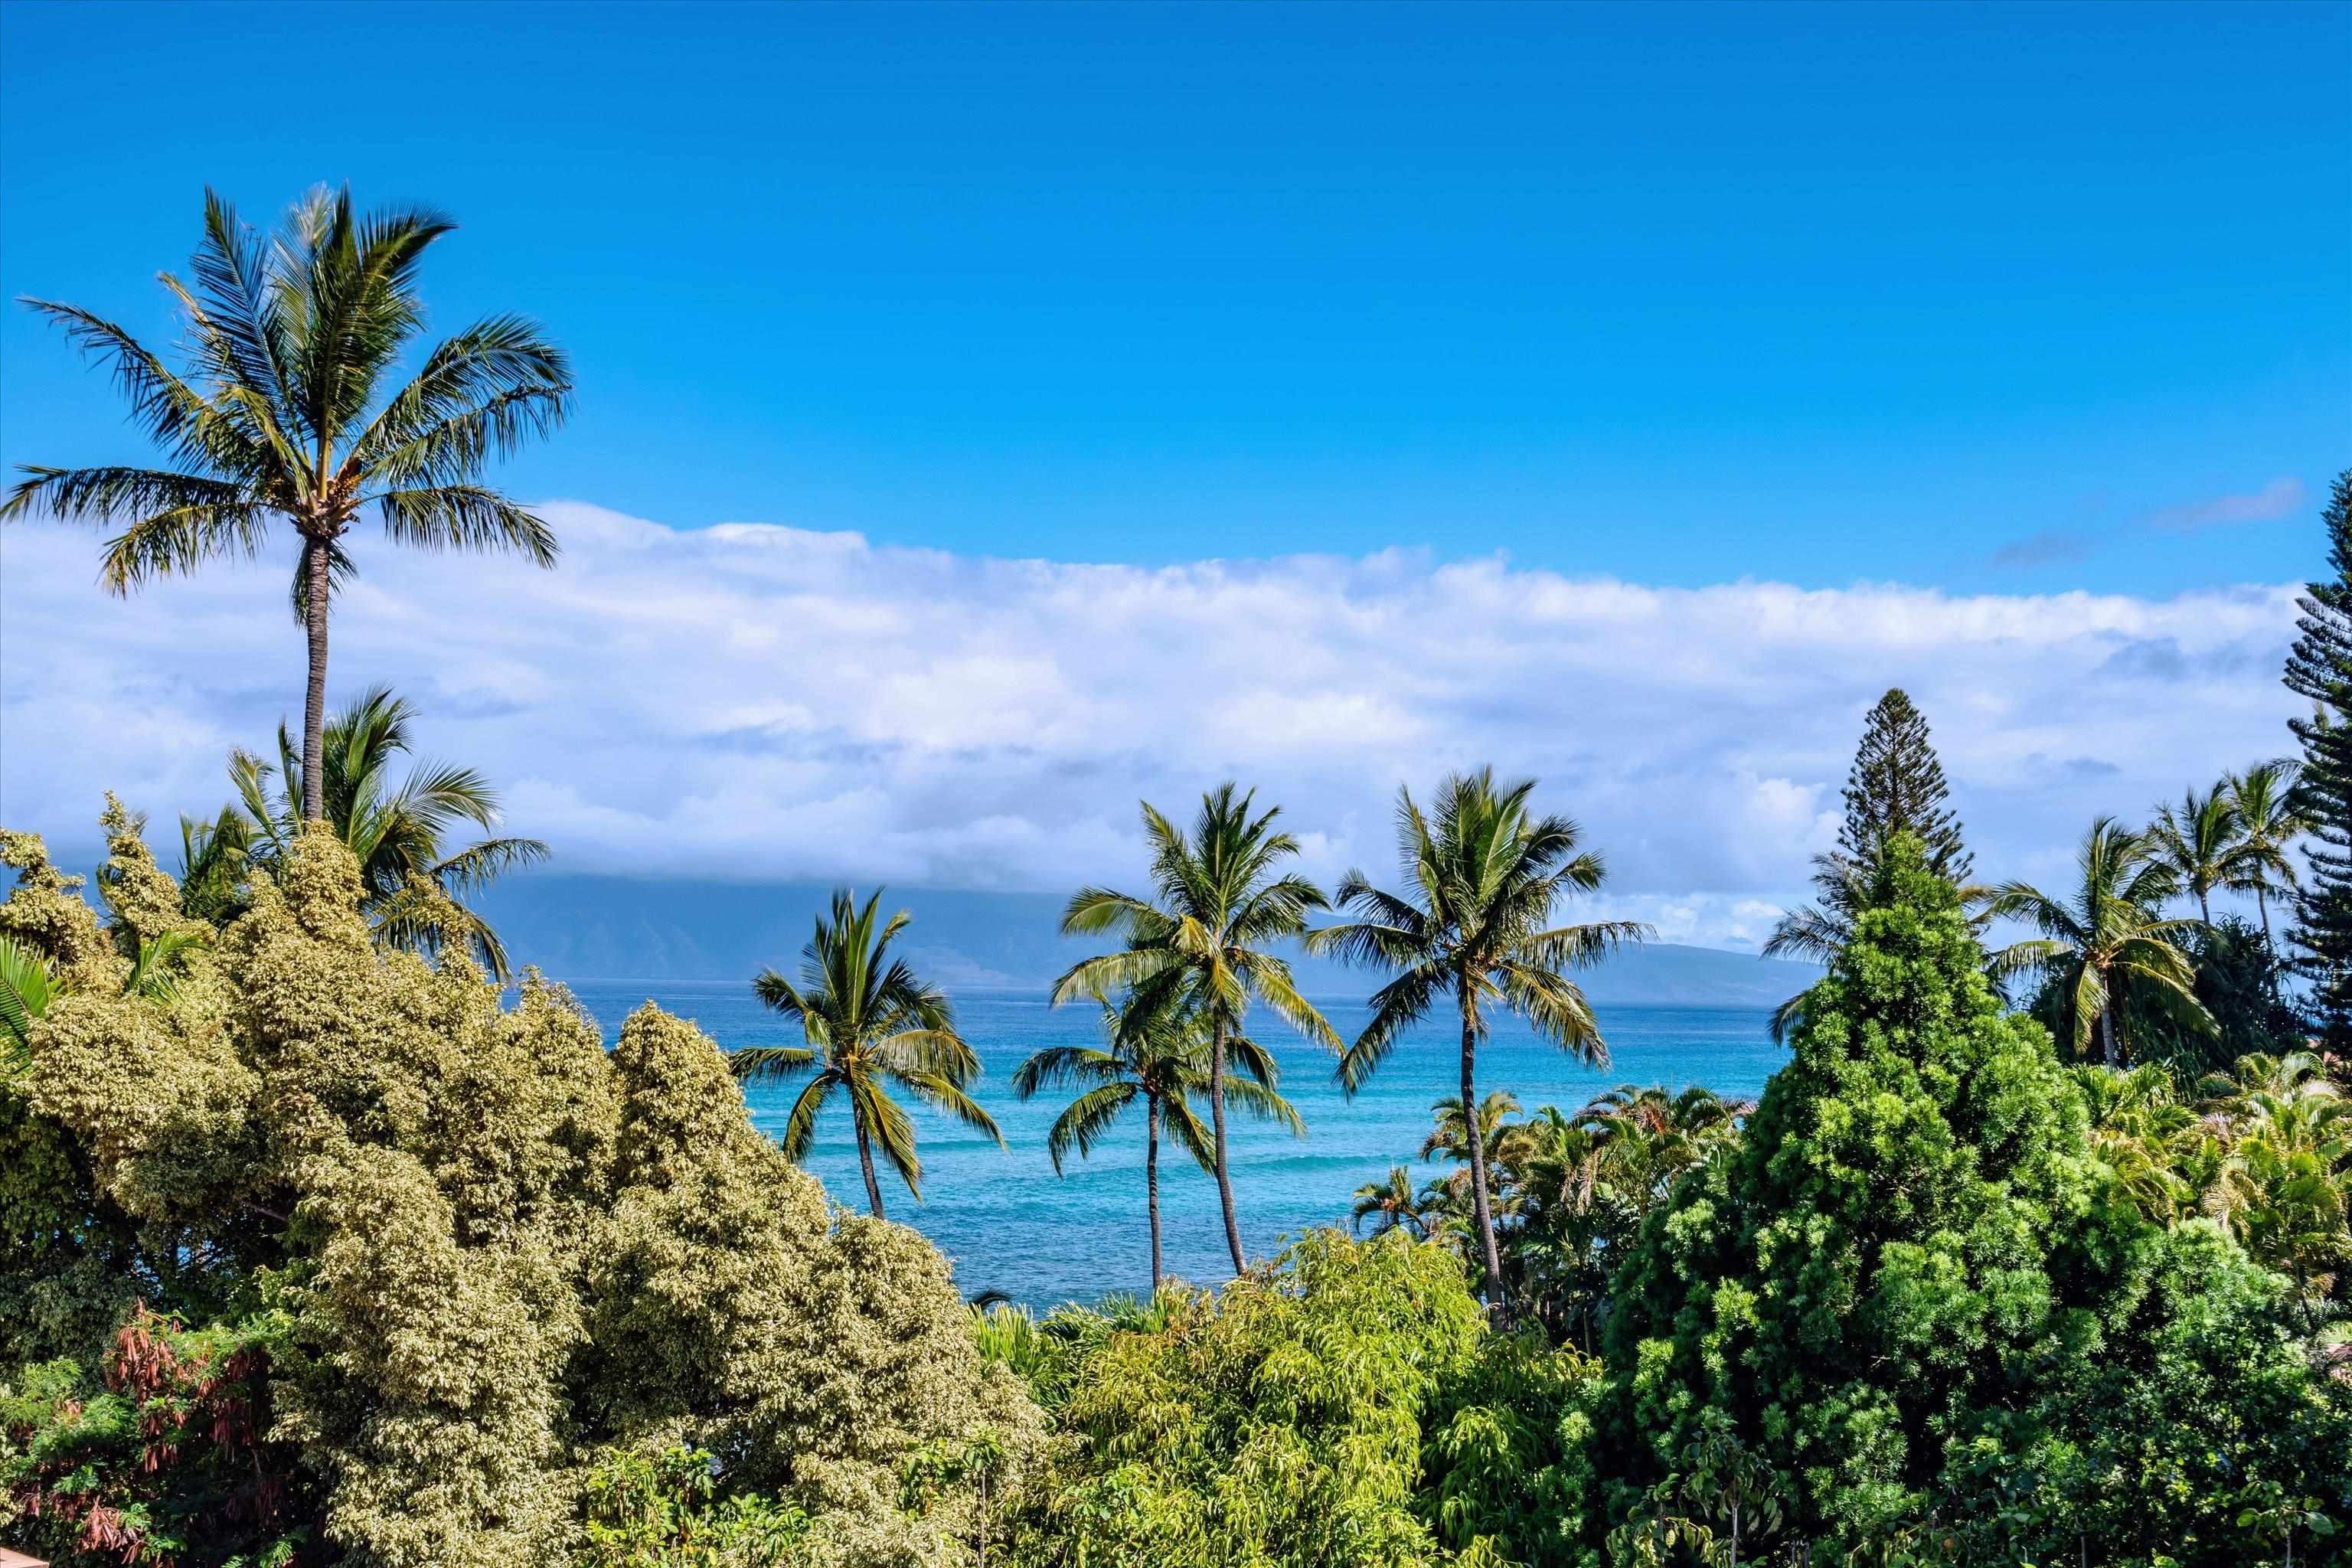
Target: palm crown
x,y
2106,933
870,1023
1482,878
2270,818
2202,842
412,882
293,407
1220,902
1156,1054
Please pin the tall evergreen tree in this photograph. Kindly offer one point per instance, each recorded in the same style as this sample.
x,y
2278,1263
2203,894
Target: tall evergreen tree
x,y
2320,667
1896,785
1915,1296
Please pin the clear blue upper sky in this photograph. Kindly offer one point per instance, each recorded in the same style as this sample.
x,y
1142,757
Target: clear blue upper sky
x,y
1993,296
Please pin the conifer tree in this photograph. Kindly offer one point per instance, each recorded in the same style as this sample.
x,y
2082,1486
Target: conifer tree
x,y
2320,667
1915,1296
1896,785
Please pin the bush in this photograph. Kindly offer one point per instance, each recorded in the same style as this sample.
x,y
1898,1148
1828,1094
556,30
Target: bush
x,y
492,1250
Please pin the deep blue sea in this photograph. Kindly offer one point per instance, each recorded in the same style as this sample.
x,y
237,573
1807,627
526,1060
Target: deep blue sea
x,y
1009,1225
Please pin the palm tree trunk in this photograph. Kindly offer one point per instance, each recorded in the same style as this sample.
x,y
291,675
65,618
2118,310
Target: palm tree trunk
x,y
2263,904
2107,1032
314,700
1480,1208
2204,910
1151,1179
865,1163
1217,1121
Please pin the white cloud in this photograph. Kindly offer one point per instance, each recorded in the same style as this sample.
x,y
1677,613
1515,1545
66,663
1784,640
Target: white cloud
x,y
762,701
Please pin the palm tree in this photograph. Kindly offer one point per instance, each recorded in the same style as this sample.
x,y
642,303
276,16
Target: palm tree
x,y
1390,1205
412,885
1159,1054
2144,1133
291,407
2107,933
1449,1138
2201,843
1646,1137
870,1023
2270,820
1475,924
1218,905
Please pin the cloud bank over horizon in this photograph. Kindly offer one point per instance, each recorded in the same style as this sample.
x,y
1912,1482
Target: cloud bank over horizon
x,y
754,701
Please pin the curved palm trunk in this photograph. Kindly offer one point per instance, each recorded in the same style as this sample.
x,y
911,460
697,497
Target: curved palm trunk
x,y
1151,1179
865,1163
1479,1207
314,699
1217,1121
2115,1056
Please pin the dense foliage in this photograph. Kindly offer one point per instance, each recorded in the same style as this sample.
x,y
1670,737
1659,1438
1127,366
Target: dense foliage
x,y
2320,667
1926,1309
459,1254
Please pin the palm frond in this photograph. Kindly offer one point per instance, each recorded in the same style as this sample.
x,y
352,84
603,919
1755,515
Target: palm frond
x,y
464,517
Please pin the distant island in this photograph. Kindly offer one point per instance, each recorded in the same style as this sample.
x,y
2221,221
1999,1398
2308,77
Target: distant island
x,y
578,927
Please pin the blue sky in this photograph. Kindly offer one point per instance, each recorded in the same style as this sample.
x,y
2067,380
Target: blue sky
x,y
1125,399
2006,298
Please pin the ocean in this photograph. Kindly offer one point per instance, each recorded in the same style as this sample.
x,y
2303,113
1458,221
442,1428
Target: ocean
x,y
1007,1223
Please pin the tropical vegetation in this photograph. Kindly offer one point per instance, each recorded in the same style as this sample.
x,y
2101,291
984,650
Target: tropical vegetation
x,y
1156,1054
1207,941
294,405
870,1024
322,1245
1482,875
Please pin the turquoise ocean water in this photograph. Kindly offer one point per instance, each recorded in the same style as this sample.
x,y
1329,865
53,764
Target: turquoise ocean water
x,y
1009,1223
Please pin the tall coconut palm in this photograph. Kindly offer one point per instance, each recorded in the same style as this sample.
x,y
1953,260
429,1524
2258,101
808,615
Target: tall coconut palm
x,y
1158,1054
1219,904
2105,933
870,1023
2270,820
293,406
2200,842
1482,876
412,884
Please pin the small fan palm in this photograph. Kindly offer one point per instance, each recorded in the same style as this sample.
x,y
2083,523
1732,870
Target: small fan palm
x,y
1158,1054
2144,1133
870,1024
1390,1204
2271,818
293,407
1482,876
2106,933
411,884
1220,905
